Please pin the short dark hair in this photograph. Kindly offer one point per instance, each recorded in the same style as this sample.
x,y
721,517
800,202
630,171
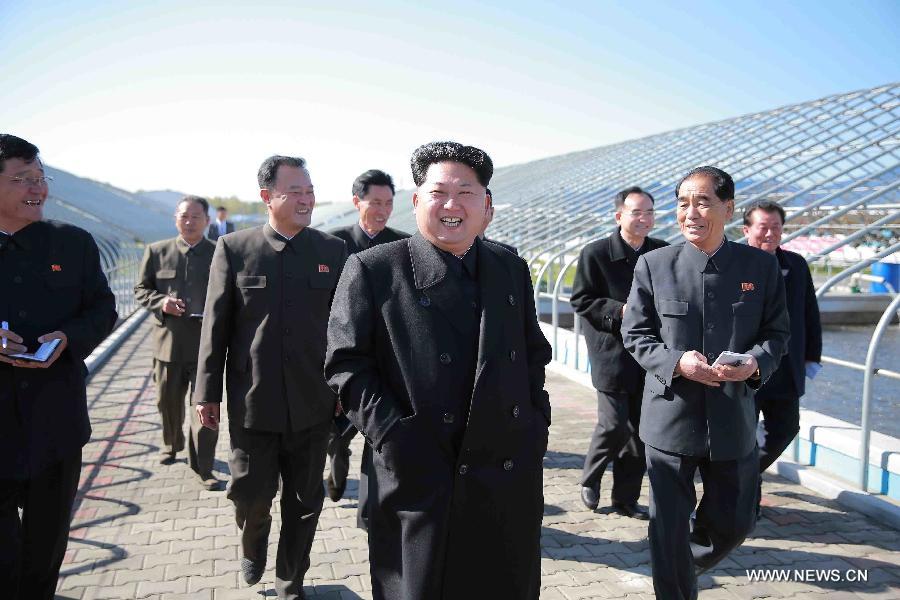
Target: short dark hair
x,y
15,147
620,197
201,201
438,152
765,206
371,177
268,170
722,181
221,208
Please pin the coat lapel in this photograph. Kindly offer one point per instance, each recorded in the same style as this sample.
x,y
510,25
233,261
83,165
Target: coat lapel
x,y
436,289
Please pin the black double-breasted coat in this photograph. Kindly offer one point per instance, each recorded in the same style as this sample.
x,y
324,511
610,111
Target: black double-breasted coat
x,y
458,506
357,240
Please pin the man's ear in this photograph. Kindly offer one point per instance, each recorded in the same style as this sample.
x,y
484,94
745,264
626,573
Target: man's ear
x,y
356,201
265,195
729,208
415,200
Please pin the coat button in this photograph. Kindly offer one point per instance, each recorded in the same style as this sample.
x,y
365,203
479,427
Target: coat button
x,y
289,303
22,314
511,299
711,357
710,326
507,465
710,295
515,411
24,385
187,300
463,469
425,301
449,418
445,358
287,331
17,279
512,355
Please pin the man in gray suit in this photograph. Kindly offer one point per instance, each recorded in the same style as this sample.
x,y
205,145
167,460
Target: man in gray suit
x,y
172,286
267,305
689,303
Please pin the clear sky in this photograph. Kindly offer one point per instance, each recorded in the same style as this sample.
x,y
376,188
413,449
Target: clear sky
x,y
192,96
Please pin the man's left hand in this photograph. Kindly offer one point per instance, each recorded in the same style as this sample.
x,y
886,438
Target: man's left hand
x,y
36,364
740,372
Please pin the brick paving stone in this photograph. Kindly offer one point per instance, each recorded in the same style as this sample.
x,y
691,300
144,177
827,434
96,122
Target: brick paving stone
x,y
143,530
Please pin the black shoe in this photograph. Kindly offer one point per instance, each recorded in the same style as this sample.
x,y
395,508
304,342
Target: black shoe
x,y
252,571
167,458
632,510
590,496
334,492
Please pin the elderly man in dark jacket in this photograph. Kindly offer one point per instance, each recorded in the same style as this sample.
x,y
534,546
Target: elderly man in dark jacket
x,y
688,304
436,354
53,288
602,282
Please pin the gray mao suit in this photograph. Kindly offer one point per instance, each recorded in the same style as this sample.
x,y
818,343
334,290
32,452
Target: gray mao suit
x,y
683,300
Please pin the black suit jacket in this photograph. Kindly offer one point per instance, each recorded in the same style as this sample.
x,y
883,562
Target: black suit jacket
x,y
264,324
806,326
602,282
357,240
677,303
50,279
213,231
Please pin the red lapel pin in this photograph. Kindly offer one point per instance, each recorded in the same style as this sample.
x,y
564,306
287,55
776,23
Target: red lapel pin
x,y
55,268
747,287
324,269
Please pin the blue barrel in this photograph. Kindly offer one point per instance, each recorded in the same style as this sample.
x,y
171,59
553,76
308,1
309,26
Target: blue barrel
x,y
891,274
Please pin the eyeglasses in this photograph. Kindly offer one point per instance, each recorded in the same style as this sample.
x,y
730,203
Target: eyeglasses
x,y
640,213
29,181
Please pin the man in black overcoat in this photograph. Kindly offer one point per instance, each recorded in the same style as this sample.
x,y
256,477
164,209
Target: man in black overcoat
x,y
436,354
264,325
779,398
373,197
602,282
51,287
689,303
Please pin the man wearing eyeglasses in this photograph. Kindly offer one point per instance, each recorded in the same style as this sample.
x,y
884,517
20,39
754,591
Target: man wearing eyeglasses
x,y
373,197
602,282
172,286
51,288
264,326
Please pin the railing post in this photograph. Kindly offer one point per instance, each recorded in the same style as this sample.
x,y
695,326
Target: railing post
x,y
865,425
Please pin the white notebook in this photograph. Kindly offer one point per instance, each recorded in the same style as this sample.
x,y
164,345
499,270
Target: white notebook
x,y
41,354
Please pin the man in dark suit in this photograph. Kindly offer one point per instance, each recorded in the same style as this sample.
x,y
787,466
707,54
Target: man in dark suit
x,y
53,288
488,217
373,197
221,225
172,286
602,282
436,354
779,398
689,303
267,304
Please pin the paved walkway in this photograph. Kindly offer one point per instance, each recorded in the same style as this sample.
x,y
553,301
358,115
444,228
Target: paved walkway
x,y
142,530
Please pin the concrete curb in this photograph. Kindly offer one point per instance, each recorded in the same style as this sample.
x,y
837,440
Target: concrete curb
x,y
877,506
102,352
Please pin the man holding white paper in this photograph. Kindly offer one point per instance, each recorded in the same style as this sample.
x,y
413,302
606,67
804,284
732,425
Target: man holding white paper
x,y
689,303
53,290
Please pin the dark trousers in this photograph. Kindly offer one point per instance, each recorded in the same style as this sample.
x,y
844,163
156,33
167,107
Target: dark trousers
x,y
616,439
32,547
173,382
257,460
363,505
726,515
779,426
